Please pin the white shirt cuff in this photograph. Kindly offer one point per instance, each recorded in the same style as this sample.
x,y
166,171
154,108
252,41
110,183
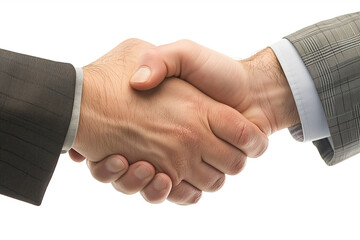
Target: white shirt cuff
x,y
313,121
74,123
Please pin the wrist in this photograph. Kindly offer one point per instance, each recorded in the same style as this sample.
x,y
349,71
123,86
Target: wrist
x,y
85,117
279,93
275,97
101,115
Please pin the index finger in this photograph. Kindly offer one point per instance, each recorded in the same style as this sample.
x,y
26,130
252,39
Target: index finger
x,y
231,126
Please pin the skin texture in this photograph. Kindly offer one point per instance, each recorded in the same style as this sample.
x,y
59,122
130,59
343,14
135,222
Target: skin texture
x,y
256,87
123,177
179,130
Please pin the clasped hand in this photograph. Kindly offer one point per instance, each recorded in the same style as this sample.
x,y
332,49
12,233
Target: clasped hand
x,y
176,139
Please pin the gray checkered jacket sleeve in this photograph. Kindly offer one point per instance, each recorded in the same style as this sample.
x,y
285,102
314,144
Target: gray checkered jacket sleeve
x,y
36,100
331,52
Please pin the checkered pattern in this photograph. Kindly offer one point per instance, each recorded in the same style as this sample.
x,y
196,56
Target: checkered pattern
x,y
331,52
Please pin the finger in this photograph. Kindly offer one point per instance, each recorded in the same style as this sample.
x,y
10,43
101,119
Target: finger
x,y
75,156
184,194
109,169
169,60
158,189
206,178
231,126
224,157
137,177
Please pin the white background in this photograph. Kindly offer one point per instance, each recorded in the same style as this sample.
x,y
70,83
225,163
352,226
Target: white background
x,y
288,193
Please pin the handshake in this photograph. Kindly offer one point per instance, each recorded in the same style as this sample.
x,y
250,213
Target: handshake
x,y
171,121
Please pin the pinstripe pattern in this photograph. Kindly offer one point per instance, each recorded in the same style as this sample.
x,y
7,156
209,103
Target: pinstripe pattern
x,y
331,52
36,99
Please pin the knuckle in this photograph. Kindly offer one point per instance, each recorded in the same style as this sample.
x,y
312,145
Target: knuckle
x,y
189,200
178,170
150,199
195,198
154,197
176,177
263,146
176,199
188,136
132,46
132,41
186,42
237,164
242,137
183,195
217,184
123,189
100,178
151,53
97,175
177,195
154,200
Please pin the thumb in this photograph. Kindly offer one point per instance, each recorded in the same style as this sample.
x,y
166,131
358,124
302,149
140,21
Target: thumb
x,y
177,59
151,72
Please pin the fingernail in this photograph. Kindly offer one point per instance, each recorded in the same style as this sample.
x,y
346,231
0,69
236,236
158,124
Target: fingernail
x,y
142,172
159,184
114,165
141,75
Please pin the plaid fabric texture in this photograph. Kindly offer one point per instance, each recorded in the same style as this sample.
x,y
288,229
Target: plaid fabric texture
x,y
331,52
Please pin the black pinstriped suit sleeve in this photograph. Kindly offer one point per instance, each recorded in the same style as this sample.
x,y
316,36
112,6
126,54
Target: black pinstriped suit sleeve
x,y
36,100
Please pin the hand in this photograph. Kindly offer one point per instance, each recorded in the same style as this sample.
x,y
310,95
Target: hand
x,y
256,87
163,126
154,188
